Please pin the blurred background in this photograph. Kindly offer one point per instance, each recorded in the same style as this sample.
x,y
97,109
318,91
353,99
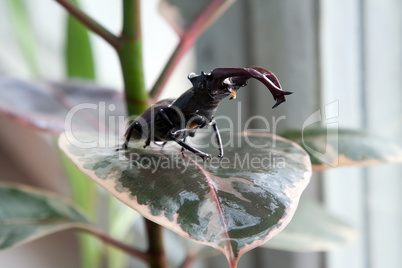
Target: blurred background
x,y
347,51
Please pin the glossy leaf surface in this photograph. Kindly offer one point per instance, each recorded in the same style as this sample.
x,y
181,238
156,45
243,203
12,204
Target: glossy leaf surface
x,y
48,106
325,233
313,229
27,214
234,204
344,147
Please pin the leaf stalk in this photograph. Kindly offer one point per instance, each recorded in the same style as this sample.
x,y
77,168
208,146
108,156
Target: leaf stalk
x,y
156,250
113,242
90,23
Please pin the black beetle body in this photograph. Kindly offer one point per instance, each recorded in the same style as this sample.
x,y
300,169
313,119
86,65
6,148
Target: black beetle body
x,y
176,119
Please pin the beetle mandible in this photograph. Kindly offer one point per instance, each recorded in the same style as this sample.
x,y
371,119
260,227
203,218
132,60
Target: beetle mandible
x,y
175,119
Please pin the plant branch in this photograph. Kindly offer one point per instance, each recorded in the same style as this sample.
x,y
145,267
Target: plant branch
x,y
187,40
113,242
167,71
90,23
156,250
130,55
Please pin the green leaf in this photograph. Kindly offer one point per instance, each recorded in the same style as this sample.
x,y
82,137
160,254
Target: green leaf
x,y
27,214
313,229
80,64
234,205
46,107
344,147
79,56
22,28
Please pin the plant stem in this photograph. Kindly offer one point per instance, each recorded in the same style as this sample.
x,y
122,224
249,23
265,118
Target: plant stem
x,y
156,250
129,49
130,55
90,23
110,241
131,19
134,85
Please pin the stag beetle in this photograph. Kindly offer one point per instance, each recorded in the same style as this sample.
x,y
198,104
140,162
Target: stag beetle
x,y
176,119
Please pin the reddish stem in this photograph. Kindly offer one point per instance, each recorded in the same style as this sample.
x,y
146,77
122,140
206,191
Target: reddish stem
x,y
187,262
90,23
187,40
111,241
156,250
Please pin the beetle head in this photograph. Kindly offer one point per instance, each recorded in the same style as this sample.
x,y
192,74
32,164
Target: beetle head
x,y
222,82
217,88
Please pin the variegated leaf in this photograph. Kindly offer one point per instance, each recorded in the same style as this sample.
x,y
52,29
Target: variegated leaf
x,y
326,232
27,213
344,147
51,107
234,205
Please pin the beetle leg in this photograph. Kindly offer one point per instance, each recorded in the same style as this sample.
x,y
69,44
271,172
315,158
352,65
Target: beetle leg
x,y
123,147
183,132
195,151
128,134
218,138
148,141
182,149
